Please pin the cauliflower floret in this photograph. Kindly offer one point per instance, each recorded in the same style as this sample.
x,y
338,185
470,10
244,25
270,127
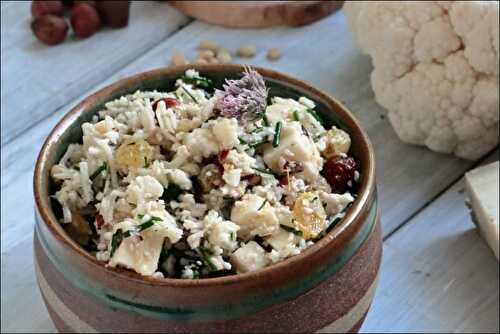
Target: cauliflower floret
x,y
226,132
436,67
201,143
144,188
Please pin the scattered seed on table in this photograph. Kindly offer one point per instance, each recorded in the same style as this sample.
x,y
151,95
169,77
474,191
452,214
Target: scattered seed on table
x,y
206,54
247,51
178,59
213,61
200,61
274,54
223,56
207,45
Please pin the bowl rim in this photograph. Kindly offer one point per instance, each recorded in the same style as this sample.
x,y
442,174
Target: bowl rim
x,y
43,206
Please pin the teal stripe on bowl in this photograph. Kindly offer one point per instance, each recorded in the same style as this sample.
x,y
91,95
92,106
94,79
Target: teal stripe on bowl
x,y
217,313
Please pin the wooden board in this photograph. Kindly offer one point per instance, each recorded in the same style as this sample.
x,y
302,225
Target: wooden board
x,y
257,14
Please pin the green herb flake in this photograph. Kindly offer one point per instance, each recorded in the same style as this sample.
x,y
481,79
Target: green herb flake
x,y
262,205
189,94
117,239
198,81
291,230
315,115
277,134
242,141
233,236
296,115
99,170
265,120
205,255
264,171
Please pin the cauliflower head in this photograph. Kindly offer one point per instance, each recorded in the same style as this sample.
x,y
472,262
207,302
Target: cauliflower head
x,y
435,70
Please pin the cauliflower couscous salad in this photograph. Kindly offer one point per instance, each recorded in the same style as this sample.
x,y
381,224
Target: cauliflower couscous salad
x,y
203,181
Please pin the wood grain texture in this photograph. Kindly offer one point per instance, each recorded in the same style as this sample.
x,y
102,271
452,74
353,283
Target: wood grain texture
x,y
258,14
438,275
38,79
409,178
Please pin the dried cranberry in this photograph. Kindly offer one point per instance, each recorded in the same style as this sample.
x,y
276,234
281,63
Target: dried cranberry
x,y
252,179
99,221
223,155
339,171
283,180
169,102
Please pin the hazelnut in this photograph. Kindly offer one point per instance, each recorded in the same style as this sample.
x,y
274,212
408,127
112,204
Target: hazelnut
x,y
114,13
50,29
84,20
42,8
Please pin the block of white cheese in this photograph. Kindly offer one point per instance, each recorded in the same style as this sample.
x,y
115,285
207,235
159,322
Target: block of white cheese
x,y
249,257
139,255
481,185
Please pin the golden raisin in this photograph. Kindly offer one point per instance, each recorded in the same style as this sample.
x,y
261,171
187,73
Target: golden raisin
x,y
135,154
309,215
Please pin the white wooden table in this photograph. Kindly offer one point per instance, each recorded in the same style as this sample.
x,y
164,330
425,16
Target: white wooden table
x,y
437,273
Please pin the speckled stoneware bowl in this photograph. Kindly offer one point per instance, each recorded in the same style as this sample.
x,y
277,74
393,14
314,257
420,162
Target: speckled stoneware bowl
x,y
329,286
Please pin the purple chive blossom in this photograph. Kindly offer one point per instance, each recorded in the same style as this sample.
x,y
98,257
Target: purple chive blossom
x,y
245,98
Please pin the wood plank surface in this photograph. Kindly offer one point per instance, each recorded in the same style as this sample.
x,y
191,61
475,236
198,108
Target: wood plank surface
x,y
40,79
409,177
438,275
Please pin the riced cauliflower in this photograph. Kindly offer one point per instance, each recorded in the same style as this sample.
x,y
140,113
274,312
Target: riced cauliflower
x,y
436,66
191,184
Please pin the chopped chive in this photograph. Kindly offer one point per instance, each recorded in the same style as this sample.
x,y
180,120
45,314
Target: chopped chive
x,y
265,120
264,171
146,225
242,141
190,95
197,81
196,274
296,115
262,205
256,144
277,133
315,115
117,239
98,171
291,230
233,236
150,222
205,255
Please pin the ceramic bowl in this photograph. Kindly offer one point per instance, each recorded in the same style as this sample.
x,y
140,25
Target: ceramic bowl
x,y
329,286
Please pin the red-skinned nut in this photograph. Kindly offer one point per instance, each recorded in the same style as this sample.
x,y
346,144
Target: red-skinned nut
x,y
42,8
50,29
85,20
